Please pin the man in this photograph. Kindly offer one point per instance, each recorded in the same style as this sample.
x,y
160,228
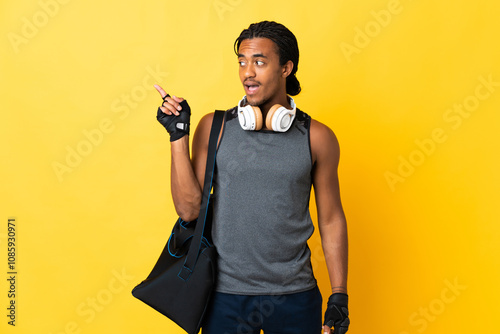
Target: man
x,y
262,186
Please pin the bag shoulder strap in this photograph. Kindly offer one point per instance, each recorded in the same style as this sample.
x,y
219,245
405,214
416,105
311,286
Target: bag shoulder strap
x,y
194,248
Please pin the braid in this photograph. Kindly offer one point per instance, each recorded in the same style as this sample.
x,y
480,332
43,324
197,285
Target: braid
x,y
286,42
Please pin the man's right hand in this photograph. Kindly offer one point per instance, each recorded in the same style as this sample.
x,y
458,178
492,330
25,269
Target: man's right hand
x,y
174,114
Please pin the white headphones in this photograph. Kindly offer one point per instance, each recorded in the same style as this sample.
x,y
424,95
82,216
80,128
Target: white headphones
x,y
278,117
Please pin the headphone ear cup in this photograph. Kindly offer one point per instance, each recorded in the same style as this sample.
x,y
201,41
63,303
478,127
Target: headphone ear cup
x,y
250,118
270,114
258,117
279,118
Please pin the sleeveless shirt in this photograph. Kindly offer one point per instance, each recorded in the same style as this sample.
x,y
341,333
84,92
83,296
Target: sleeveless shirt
x,y
261,220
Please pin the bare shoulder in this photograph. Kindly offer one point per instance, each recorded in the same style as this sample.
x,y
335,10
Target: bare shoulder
x,y
202,131
205,122
201,136
324,143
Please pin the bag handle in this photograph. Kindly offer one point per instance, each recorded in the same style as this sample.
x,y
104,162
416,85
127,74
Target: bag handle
x,y
194,248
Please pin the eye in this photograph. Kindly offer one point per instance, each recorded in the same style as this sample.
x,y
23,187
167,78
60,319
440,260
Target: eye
x,y
259,62
242,63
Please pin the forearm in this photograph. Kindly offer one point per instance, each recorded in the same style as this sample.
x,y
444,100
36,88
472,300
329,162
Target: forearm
x,y
185,188
335,248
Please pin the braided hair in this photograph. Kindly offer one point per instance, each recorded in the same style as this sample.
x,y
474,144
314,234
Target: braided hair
x,y
286,42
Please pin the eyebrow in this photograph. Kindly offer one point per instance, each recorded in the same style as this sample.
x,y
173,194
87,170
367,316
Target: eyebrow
x,y
257,55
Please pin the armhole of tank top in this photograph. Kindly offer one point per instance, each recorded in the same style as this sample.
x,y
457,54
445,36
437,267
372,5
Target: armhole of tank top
x,y
223,130
308,127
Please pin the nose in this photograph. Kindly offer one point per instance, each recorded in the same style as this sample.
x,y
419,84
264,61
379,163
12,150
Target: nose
x,y
249,70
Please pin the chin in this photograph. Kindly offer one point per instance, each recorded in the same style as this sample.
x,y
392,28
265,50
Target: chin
x,y
254,101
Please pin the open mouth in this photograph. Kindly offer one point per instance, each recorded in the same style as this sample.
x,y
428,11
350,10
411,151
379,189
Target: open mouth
x,y
251,88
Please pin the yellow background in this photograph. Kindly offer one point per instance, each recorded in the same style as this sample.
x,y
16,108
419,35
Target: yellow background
x,y
71,70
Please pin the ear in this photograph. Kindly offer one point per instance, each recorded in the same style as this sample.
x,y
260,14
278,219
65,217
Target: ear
x,y
287,69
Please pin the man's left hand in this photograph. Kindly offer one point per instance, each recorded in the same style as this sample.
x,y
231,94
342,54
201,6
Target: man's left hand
x,y
337,314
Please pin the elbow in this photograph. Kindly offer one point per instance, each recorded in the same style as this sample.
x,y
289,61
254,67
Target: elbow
x,y
189,210
187,216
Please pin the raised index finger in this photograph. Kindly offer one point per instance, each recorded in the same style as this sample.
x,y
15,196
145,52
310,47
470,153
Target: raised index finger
x,y
161,91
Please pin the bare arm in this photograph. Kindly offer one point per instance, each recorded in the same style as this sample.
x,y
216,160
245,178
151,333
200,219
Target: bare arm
x,y
186,174
331,219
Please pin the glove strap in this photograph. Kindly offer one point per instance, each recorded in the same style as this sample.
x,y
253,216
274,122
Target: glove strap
x,y
338,298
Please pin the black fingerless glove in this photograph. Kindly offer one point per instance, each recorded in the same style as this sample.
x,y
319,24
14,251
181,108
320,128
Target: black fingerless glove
x,y
337,314
177,126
